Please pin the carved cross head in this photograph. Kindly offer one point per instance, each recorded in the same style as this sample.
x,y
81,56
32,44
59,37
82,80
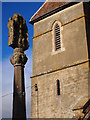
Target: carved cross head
x,y
18,32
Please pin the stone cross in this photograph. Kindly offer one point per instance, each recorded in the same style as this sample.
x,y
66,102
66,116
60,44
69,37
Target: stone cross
x,y
19,41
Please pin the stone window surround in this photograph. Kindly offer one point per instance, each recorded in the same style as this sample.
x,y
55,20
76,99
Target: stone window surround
x,y
54,51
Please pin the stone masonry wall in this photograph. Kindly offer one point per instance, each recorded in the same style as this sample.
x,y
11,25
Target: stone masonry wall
x,y
73,87
70,66
73,38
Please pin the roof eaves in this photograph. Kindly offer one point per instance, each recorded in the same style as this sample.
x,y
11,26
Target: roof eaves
x,y
52,12
37,11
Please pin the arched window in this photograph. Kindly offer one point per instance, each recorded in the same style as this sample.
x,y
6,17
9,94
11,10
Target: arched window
x,y
57,37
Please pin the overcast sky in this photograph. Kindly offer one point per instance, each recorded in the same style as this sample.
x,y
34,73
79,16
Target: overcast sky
x,y
26,9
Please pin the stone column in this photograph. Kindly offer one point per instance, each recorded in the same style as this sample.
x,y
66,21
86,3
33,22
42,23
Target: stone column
x,y
18,40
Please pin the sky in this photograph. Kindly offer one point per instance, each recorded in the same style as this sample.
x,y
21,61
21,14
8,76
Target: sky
x,y
26,9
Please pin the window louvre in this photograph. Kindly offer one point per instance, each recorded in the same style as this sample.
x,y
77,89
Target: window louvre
x,y
57,37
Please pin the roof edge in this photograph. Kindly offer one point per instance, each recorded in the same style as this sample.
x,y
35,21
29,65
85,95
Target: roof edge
x,y
38,10
52,12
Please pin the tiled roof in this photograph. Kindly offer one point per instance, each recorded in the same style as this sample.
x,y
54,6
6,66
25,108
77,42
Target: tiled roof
x,y
46,8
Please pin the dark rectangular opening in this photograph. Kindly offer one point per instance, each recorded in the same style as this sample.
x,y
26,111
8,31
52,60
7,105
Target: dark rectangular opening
x,y
58,87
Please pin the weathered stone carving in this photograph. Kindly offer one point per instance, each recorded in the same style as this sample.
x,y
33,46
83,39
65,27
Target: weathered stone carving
x,y
18,58
19,41
18,32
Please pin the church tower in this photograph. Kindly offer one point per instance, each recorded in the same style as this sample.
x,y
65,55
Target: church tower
x,y
61,66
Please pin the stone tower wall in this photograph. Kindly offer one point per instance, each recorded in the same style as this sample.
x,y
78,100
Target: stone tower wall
x,y
45,103
70,66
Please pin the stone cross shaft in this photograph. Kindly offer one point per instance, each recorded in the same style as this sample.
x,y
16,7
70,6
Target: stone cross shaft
x,y
19,41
